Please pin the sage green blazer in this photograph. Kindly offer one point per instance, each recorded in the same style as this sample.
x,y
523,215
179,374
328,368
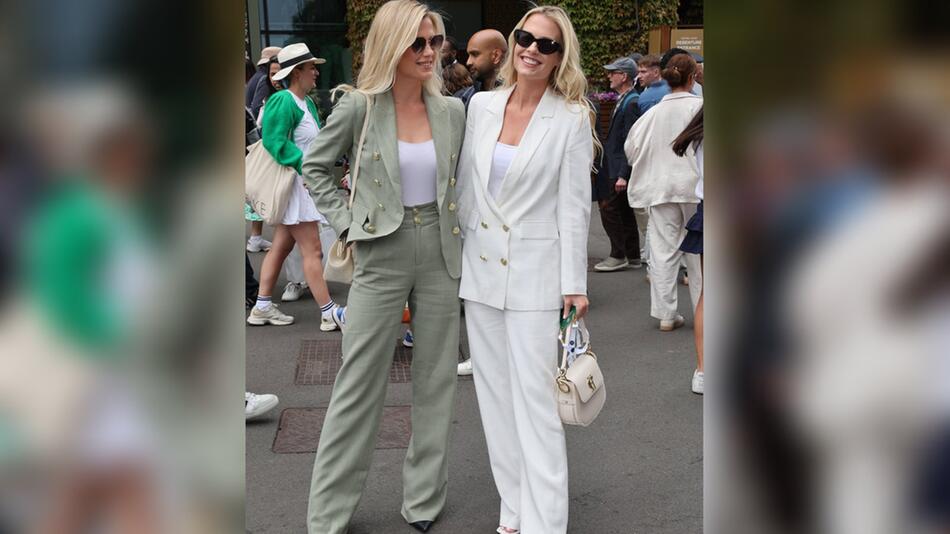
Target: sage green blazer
x,y
377,206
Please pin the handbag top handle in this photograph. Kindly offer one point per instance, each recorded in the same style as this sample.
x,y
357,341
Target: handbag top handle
x,y
565,338
359,150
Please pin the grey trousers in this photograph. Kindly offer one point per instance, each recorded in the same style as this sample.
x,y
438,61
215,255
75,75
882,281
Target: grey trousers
x,y
404,266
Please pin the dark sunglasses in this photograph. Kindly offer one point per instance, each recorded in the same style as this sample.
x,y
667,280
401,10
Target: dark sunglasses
x,y
545,46
435,42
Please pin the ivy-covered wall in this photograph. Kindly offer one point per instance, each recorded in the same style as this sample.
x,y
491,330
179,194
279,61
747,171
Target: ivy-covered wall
x,y
607,29
359,16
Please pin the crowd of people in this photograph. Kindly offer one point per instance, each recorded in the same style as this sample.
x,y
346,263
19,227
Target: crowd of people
x,y
446,171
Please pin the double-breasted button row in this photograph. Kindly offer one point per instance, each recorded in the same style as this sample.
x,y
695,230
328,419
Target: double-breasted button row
x,y
369,227
375,156
377,182
485,258
504,227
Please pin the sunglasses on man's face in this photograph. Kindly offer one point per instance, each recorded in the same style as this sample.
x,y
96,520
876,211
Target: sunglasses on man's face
x,y
419,44
545,46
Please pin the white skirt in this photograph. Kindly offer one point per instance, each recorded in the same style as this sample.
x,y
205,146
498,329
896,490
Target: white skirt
x,y
300,207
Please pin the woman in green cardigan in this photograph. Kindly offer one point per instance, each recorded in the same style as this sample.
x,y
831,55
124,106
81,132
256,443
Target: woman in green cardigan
x,y
288,127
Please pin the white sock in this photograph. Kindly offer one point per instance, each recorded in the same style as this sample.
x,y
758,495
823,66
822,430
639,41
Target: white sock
x,y
255,239
263,303
327,308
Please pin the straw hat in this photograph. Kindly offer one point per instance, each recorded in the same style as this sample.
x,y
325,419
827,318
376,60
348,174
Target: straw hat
x,y
292,55
268,53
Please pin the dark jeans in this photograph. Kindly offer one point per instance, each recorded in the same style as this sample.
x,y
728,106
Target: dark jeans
x,y
250,283
621,226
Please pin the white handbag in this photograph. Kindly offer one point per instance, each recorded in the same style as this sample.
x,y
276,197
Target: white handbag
x,y
341,260
267,184
580,384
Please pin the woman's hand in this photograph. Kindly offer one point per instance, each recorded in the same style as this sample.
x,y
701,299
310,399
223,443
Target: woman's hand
x,y
580,302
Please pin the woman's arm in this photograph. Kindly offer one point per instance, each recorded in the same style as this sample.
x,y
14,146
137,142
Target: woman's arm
x,y
573,206
465,171
281,116
334,140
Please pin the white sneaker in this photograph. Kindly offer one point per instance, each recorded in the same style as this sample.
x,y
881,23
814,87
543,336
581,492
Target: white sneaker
x,y
465,368
293,291
611,264
269,315
258,405
335,320
668,325
697,385
258,245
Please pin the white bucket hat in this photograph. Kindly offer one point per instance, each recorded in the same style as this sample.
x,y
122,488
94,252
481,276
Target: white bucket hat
x,y
292,55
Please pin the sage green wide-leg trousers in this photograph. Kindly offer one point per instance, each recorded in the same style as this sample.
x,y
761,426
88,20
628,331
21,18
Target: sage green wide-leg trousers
x,y
406,265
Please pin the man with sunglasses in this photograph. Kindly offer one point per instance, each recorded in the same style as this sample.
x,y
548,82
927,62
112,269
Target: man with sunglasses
x,y
486,52
610,189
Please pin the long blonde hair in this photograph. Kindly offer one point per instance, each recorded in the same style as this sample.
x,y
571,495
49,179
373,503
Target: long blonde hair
x,y
567,79
393,30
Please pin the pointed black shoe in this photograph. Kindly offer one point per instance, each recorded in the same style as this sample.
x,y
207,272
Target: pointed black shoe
x,y
422,526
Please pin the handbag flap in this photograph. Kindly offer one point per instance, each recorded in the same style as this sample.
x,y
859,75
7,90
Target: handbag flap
x,y
585,374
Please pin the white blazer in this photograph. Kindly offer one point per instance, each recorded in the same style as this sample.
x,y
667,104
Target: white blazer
x,y
526,248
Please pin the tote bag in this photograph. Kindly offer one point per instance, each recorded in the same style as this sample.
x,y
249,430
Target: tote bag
x,y
267,184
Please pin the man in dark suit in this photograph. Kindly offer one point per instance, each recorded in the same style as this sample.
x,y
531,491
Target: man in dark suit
x,y
610,189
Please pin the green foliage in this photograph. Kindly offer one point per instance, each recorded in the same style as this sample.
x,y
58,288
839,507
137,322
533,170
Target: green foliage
x,y
608,29
359,17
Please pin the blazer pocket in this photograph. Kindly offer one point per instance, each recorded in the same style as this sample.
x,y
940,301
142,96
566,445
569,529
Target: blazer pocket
x,y
472,222
538,230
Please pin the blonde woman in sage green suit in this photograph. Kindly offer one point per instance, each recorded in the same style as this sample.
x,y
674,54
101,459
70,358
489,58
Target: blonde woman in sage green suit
x,y
404,227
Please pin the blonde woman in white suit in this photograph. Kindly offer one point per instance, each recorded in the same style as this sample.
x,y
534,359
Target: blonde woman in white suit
x,y
524,175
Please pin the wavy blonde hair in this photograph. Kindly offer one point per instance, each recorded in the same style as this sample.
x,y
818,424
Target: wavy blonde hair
x,y
567,78
393,30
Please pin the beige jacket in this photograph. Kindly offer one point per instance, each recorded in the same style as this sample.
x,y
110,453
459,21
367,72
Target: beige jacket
x,y
659,176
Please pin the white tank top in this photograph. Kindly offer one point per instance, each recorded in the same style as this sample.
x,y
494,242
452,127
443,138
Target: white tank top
x,y
500,162
417,168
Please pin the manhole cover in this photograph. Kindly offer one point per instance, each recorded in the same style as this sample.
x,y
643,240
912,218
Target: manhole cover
x,y
299,429
320,360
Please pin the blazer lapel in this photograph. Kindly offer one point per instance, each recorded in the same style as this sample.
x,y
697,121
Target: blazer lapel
x,y
533,136
442,138
485,145
384,134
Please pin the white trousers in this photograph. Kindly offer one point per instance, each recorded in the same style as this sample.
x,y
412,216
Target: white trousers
x,y
514,364
666,229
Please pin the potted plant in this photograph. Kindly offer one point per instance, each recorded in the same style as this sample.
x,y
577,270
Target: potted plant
x,y
605,103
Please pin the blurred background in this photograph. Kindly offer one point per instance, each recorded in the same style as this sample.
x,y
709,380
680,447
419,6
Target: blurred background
x,y
121,334
121,339
827,323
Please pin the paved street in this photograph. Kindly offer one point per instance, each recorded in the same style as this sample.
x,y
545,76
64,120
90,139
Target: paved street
x,y
637,469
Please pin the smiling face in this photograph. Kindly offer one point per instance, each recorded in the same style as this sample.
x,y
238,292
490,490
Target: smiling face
x,y
530,64
419,66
